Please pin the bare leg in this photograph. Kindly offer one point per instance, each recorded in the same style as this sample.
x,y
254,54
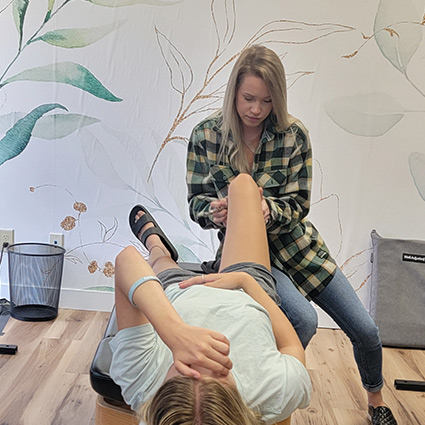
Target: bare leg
x,y
131,266
246,238
159,257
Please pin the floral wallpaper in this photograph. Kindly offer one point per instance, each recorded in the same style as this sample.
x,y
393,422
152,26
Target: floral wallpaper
x,y
98,98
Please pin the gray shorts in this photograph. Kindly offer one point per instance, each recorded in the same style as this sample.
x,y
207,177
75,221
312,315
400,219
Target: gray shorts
x,y
260,273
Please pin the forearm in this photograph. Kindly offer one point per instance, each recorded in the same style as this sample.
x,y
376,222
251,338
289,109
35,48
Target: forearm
x,y
286,212
151,300
286,338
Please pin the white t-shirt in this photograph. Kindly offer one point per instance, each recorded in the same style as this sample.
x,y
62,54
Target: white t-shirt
x,y
276,384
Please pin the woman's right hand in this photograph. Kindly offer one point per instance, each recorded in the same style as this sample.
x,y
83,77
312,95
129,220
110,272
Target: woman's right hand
x,y
218,211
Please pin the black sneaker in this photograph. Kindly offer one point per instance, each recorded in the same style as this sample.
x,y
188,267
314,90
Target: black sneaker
x,y
381,416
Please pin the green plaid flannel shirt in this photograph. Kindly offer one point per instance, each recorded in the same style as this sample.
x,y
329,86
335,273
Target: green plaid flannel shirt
x,y
283,168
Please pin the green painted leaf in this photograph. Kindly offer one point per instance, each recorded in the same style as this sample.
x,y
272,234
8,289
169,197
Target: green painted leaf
x,y
19,11
17,138
100,288
77,37
68,73
58,126
49,127
398,34
119,3
369,115
9,120
49,10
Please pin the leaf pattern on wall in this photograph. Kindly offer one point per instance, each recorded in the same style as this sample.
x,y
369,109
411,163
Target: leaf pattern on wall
x,y
58,126
417,170
50,5
117,164
49,127
77,37
19,12
9,120
225,30
369,115
181,75
395,31
100,163
17,138
279,31
68,73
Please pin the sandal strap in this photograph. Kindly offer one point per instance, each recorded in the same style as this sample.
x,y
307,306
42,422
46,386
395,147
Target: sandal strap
x,y
148,232
137,226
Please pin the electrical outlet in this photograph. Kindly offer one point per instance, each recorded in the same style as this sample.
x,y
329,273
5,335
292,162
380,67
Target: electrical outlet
x,y
56,239
7,235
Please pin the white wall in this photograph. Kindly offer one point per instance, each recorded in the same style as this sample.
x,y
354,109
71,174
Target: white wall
x,y
355,76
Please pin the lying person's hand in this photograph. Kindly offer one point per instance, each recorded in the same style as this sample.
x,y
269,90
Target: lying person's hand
x,y
193,346
233,280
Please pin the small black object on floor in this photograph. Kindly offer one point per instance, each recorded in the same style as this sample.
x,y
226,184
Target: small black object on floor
x,y
407,385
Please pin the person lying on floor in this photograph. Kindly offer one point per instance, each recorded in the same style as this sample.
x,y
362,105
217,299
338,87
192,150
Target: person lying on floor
x,y
206,349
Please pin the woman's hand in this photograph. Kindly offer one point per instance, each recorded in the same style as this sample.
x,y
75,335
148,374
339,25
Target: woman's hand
x,y
218,210
264,206
233,280
193,346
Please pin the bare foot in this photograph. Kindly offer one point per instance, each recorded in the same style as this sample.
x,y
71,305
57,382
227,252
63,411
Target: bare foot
x,y
152,241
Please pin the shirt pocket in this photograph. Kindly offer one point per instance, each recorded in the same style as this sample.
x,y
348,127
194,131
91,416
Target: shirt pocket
x,y
221,176
272,181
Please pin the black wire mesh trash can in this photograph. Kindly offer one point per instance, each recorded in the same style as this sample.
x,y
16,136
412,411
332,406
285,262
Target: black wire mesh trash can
x,y
35,278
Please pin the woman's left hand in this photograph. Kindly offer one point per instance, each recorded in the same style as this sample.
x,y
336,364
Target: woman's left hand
x,y
264,206
233,280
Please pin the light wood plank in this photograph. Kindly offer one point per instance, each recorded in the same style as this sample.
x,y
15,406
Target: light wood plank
x,y
36,385
47,382
338,396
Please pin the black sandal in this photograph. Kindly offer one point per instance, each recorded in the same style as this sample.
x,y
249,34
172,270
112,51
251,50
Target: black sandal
x,y
136,226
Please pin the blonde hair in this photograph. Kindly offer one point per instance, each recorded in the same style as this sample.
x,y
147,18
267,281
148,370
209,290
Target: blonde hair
x,y
186,401
264,63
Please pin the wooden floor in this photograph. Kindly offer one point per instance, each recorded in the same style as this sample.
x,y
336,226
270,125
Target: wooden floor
x,y
47,381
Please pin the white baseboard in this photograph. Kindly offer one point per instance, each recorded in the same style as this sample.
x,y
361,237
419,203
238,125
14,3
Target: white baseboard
x,y
77,299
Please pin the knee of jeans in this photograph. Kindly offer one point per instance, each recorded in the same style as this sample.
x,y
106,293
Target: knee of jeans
x,y
370,335
306,326
365,334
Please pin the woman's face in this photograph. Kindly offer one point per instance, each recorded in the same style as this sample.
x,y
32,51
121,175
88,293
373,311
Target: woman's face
x,y
253,102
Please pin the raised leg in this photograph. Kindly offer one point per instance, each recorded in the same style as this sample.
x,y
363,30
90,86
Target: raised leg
x,y
246,238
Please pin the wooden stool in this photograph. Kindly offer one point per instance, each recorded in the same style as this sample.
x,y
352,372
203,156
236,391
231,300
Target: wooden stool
x,y
109,412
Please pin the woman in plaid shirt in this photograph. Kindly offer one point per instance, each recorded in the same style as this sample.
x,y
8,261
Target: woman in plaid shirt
x,y
254,133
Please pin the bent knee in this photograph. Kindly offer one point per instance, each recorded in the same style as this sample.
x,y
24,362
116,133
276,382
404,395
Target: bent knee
x,y
369,335
125,255
306,327
242,181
